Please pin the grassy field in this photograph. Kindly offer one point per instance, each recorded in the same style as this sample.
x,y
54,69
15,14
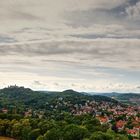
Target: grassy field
x,y
5,138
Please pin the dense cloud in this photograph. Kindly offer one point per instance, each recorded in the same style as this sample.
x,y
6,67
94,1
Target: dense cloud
x,y
82,44
134,11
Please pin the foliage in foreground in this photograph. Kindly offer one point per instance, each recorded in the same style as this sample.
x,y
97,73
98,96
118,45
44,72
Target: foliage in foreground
x,y
83,127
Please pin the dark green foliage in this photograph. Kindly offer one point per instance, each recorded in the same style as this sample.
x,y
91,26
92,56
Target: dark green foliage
x,y
53,134
74,132
56,121
10,116
34,134
17,99
92,124
101,136
43,129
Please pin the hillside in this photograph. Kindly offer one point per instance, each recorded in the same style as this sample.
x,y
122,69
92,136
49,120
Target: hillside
x,y
23,98
37,113
127,98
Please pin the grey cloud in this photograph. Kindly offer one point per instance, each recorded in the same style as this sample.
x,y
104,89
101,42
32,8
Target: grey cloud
x,y
124,52
56,41
47,49
88,18
111,35
21,15
62,61
96,16
133,2
6,39
15,61
98,47
106,16
37,83
134,12
56,84
21,62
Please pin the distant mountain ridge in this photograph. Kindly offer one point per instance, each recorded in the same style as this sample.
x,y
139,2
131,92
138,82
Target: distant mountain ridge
x,y
30,97
128,98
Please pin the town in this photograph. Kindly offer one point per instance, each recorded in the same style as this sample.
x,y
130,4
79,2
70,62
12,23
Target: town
x,y
121,118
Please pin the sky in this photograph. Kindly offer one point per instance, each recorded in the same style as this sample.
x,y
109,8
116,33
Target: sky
x,y
85,45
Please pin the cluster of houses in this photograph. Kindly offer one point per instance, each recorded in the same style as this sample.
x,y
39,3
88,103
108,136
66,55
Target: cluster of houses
x,y
125,118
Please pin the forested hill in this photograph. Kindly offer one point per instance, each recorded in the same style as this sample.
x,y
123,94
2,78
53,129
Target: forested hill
x,y
25,97
128,98
69,115
25,94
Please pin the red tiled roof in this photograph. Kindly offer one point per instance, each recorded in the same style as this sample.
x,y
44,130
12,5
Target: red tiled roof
x,y
131,131
120,124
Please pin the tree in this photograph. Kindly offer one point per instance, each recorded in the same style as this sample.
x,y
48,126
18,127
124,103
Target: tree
x,y
74,132
92,124
116,136
34,134
40,137
53,134
25,132
121,137
104,127
101,136
16,130
44,126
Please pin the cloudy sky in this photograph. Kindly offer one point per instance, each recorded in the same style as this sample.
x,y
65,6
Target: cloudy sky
x,y
85,45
